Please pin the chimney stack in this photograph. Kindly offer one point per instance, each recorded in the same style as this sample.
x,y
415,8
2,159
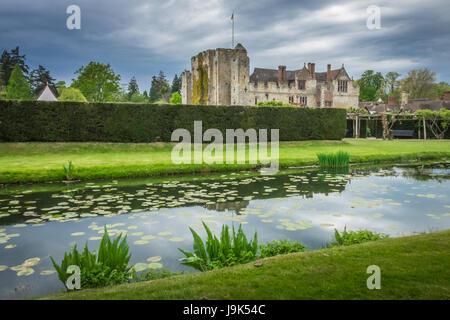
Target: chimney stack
x,y
281,74
391,100
309,67
328,72
446,96
313,69
404,98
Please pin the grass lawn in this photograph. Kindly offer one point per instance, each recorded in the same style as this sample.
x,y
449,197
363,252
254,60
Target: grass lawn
x,y
413,267
39,162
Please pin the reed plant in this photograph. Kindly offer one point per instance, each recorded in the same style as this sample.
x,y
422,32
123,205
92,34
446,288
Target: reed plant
x,y
339,159
216,253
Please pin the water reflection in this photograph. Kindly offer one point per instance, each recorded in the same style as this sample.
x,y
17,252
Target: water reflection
x,y
304,205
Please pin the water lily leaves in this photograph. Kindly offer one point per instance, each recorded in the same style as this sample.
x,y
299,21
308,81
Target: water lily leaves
x,y
139,242
375,216
10,246
164,233
176,239
433,216
137,234
31,262
3,267
47,272
77,234
154,259
148,237
140,266
155,265
25,272
95,238
19,225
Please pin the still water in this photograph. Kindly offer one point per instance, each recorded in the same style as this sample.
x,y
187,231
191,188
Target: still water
x,y
42,221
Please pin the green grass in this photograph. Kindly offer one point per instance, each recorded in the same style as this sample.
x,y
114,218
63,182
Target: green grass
x,y
413,267
40,162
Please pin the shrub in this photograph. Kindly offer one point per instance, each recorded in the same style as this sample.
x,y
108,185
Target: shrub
x,y
229,250
354,237
339,159
107,267
274,103
71,94
130,122
277,247
175,98
68,170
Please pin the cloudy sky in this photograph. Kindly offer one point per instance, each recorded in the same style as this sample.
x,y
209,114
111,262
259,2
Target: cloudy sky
x,y
141,37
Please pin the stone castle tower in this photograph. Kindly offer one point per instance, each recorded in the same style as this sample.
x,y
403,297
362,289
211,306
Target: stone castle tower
x,y
218,77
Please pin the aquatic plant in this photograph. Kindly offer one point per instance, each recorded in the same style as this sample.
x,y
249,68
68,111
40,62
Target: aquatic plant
x,y
98,269
339,159
354,237
68,170
277,247
217,253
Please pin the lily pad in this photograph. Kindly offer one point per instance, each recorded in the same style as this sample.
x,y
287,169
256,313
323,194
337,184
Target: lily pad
x,y
176,239
47,272
155,265
154,259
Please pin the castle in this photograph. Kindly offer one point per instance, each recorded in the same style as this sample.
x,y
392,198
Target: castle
x,y
222,77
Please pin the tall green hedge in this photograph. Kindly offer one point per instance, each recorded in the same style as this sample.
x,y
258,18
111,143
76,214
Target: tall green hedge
x,y
126,122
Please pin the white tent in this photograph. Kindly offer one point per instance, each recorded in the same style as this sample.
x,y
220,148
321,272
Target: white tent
x,y
47,95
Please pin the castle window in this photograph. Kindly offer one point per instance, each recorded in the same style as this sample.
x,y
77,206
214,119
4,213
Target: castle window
x,y
267,96
256,101
304,100
291,99
301,84
342,86
327,103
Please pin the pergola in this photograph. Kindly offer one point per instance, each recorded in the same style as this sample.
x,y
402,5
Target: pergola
x,y
384,118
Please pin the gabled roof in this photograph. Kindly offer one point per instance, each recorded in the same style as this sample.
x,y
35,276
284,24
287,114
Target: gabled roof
x,y
271,75
47,95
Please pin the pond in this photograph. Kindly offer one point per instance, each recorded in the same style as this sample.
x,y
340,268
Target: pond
x,y
47,220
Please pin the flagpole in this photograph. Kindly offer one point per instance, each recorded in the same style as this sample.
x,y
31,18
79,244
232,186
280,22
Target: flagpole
x,y
232,32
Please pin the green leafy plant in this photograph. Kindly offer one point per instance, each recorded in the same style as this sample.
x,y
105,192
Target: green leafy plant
x,y
283,246
354,237
340,159
152,275
68,170
106,267
217,253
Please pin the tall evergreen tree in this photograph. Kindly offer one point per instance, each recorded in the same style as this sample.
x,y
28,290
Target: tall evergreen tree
x,y
176,84
160,88
2,83
18,87
132,87
9,60
39,78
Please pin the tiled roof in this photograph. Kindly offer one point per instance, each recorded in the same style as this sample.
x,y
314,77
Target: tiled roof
x,y
271,75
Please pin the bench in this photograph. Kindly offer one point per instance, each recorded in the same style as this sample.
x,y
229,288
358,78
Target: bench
x,y
402,133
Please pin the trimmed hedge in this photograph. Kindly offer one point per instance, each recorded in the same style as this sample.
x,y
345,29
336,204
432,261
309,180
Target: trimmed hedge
x,y
127,122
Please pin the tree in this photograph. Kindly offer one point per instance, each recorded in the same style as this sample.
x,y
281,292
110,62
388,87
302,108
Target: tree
x,y
138,98
438,121
9,60
369,84
132,88
420,84
2,84
440,88
160,88
18,87
176,84
391,81
97,82
176,98
39,78
60,85
71,94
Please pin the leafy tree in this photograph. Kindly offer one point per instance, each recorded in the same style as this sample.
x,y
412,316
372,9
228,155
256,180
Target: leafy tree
x,y
391,81
60,85
18,87
176,84
138,98
176,98
2,84
369,84
97,82
132,88
71,94
420,84
440,88
39,78
9,60
160,89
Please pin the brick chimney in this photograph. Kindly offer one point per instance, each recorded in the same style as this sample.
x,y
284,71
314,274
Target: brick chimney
x,y
328,72
391,100
281,74
313,70
446,96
